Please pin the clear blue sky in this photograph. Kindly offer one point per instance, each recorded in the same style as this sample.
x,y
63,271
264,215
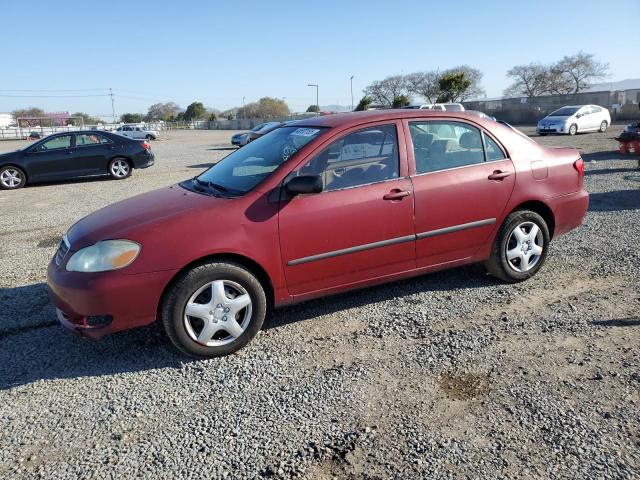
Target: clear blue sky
x,y
218,52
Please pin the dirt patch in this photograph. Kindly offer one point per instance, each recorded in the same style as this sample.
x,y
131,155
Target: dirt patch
x,y
49,241
465,386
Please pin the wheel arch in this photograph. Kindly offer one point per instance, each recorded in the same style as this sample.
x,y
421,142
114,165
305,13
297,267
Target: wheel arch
x,y
254,267
19,167
541,209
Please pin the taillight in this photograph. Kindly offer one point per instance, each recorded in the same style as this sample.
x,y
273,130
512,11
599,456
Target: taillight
x,y
146,145
579,166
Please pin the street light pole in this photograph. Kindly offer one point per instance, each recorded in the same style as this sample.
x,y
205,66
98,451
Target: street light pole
x,y
243,115
352,93
317,96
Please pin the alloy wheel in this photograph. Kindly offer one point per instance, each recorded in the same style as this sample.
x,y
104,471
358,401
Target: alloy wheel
x,y
120,168
11,178
217,313
524,247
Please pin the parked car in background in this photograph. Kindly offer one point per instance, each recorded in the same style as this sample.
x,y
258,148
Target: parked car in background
x,y
241,139
137,132
574,119
74,154
316,207
449,107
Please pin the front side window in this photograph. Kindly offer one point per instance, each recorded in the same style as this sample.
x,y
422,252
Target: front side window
x,y
57,143
86,139
245,168
441,145
359,158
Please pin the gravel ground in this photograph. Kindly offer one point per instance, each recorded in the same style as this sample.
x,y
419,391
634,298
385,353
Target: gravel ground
x,y
450,375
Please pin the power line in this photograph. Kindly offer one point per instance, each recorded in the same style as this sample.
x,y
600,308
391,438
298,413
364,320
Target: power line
x,y
52,96
56,90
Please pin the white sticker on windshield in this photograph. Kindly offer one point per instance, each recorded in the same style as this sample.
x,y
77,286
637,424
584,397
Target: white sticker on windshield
x,y
305,132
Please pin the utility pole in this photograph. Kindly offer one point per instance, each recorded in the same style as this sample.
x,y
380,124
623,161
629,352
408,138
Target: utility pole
x,y
243,108
113,108
352,93
317,96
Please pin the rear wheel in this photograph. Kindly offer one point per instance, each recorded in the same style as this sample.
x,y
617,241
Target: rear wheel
x,y
12,178
603,126
214,309
573,129
520,248
119,168
150,137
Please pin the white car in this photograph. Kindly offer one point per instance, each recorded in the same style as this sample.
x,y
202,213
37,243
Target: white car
x,y
574,119
450,107
136,131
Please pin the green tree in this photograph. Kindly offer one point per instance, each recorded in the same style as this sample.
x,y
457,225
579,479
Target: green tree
x,y
364,103
195,111
313,109
180,117
213,117
131,117
452,87
400,101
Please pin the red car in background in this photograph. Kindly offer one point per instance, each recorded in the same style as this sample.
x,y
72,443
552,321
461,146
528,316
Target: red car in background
x,y
316,207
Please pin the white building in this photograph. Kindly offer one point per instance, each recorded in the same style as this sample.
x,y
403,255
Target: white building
x,y
6,119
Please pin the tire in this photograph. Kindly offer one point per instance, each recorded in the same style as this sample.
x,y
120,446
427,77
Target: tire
x,y
230,326
542,134
12,178
120,168
603,126
514,270
573,129
150,137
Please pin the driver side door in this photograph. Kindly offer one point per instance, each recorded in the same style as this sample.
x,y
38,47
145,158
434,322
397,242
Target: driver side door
x,y
360,227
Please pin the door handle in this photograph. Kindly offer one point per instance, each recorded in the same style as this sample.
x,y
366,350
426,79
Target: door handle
x,y
69,152
396,194
499,175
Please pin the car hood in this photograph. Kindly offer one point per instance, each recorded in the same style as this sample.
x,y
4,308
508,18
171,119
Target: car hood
x,y
141,216
555,119
6,155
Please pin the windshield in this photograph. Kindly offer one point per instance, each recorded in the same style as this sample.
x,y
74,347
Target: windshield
x,y
245,168
564,112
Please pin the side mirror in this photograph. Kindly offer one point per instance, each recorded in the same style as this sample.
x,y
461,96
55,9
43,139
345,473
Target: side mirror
x,y
304,184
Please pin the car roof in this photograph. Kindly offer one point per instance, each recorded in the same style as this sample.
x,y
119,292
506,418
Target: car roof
x,y
356,118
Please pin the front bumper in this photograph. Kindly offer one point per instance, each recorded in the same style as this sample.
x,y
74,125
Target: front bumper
x,y
551,129
117,300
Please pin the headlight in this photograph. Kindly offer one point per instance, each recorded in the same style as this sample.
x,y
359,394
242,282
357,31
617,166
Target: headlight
x,y
103,256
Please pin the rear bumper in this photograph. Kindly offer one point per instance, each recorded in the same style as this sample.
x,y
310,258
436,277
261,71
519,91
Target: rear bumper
x,y
569,211
144,160
96,304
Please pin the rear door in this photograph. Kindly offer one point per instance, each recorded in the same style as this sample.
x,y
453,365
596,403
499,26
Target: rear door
x,y
360,227
92,153
462,181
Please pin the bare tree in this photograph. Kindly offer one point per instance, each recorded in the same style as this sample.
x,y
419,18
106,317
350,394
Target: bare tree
x,y
529,80
423,84
384,91
582,68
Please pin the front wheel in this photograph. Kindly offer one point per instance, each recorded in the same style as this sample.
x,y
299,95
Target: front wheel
x,y
603,126
573,129
12,178
119,168
520,248
213,310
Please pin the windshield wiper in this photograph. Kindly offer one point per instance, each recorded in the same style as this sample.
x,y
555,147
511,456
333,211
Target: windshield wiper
x,y
198,184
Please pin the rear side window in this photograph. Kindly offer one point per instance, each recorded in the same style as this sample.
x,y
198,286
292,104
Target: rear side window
x,y
90,139
359,158
444,145
493,151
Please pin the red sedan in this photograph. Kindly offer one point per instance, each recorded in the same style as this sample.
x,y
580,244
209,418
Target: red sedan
x,y
313,208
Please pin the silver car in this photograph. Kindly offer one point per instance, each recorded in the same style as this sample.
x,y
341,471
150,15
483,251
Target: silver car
x,y
574,119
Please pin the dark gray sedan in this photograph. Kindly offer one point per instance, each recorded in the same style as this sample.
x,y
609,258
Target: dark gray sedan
x,y
74,154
